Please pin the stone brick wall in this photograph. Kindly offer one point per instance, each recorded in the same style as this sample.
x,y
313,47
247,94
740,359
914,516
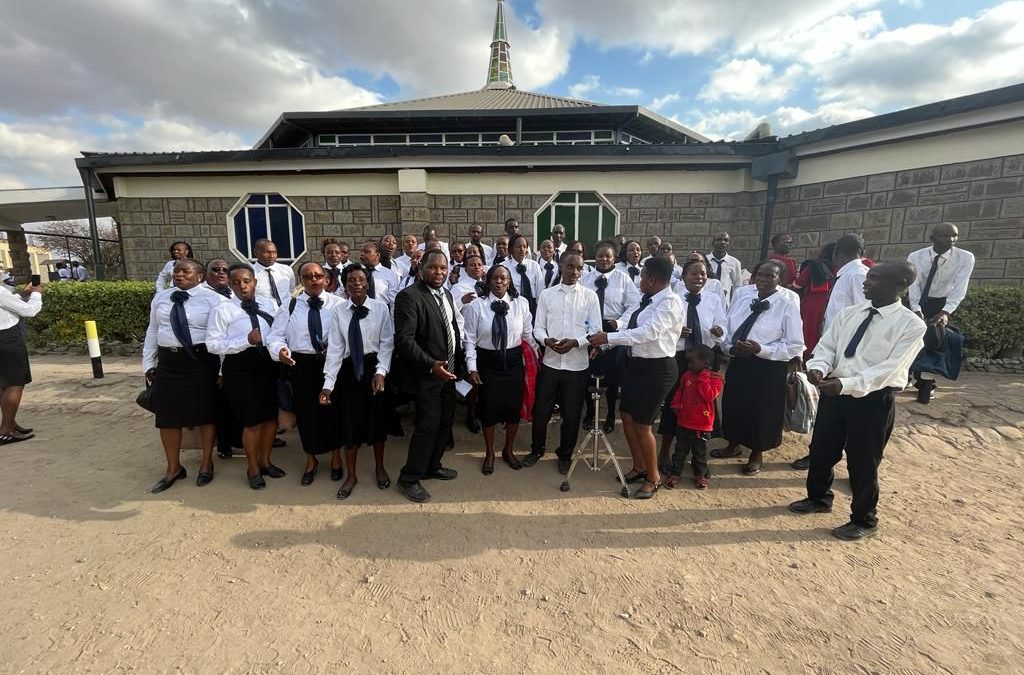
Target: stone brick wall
x,y
896,211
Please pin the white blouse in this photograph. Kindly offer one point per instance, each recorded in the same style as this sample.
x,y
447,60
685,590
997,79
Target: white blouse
x,y
479,315
377,329
779,329
710,310
533,273
13,307
466,285
292,330
624,267
620,294
201,302
229,326
658,327
164,279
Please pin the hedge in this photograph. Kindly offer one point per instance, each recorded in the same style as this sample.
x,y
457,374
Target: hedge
x,y
992,317
120,309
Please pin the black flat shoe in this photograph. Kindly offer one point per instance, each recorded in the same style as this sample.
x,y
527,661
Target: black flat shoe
x,y
637,477
337,474
802,464
204,478
224,454
473,425
345,492
852,531
587,424
272,471
647,494
751,469
166,482
414,492
256,482
563,465
608,426
22,430
531,459
809,505
279,443
385,482
725,453
513,463
441,473
488,467
308,476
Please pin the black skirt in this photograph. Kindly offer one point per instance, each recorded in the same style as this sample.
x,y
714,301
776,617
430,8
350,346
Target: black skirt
x,y
754,402
318,424
501,389
14,368
185,389
250,384
667,426
610,364
647,383
363,417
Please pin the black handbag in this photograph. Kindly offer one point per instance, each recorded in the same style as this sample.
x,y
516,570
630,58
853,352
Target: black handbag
x,y
145,398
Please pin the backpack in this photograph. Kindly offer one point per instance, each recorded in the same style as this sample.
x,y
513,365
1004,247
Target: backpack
x,y
801,404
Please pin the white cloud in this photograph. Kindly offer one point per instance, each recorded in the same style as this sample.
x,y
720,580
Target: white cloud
x,y
590,87
583,88
661,101
734,125
749,79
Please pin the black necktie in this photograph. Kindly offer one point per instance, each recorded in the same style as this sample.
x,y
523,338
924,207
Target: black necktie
x,y
693,321
273,287
525,289
644,301
355,339
335,274
549,272
179,322
252,308
851,348
315,325
757,307
633,272
448,331
371,291
499,329
481,288
718,268
224,290
498,259
931,277
601,283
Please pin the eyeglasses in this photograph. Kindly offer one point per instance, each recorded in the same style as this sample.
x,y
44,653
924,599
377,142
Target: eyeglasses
x,y
313,277
220,270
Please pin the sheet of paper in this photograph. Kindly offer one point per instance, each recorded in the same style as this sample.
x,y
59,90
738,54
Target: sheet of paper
x,y
463,387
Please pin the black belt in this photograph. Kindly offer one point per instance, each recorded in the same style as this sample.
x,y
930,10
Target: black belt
x,y
198,349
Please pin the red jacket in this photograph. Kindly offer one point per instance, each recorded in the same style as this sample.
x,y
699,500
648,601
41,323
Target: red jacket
x,y
694,401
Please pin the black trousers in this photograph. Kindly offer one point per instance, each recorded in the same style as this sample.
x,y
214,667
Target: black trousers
x,y
435,413
567,388
861,427
694,443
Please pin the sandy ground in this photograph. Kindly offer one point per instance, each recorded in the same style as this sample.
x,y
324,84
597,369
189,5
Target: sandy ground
x,y
506,573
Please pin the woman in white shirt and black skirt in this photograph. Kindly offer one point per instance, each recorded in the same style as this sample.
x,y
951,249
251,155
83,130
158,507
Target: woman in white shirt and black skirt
x,y
298,339
236,332
360,343
651,334
496,325
182,370
14,368
764,334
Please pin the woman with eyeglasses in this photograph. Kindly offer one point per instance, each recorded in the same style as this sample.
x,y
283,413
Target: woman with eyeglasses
x,y
298,339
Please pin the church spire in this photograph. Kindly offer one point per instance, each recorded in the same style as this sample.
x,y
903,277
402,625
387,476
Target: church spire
x,y
499,72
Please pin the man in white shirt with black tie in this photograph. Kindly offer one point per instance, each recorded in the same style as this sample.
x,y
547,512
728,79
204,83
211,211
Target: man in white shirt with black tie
x,y
273,280
859,364
724,267
943,273
848,288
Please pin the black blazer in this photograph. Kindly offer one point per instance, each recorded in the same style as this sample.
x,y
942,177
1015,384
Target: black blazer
x,y
420,335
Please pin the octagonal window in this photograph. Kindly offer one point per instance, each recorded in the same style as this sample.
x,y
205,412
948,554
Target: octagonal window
x,y
266,216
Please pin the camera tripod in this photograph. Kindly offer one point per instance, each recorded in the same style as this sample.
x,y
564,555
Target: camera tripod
x,y
592,443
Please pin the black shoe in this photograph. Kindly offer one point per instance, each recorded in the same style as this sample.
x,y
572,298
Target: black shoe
x,y
487,468
587,424
852,531
166,482
563,465
473,425
273,471
637,477
204,478
646,494
809,505
441,473
24,431
308,476
337,474
802,464
414,492
279,443
345,492
530,459
609,425
385,482
224,453
256,482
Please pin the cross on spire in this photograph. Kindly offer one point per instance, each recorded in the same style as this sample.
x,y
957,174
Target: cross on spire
x,y
499,70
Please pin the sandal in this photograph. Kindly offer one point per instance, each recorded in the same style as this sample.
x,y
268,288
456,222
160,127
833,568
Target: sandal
x,y
345,492
24,431
672,481
636,477
646,494
723,453
751,469
385,482
11,438
488,467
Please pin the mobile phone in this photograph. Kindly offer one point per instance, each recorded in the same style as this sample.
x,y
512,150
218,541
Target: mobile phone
x,y
36,280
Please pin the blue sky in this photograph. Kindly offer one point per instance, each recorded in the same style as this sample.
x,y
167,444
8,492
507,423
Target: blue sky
x,y
214,74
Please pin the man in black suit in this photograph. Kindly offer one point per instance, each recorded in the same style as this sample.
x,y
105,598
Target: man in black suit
x,y
427,343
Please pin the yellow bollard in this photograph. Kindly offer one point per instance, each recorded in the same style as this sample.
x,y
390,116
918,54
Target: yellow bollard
x,y
92,338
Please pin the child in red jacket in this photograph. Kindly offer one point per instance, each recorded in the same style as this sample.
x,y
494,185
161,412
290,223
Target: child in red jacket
x,y
694,403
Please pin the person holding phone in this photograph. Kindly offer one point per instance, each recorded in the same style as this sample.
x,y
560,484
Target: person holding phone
x,y
14,367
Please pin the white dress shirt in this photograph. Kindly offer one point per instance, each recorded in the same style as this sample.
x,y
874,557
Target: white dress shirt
x,y
847,290
571,313
486,251
657,327
13,307
950,280
159,333
386,284
284,279
710,310
466,285
884,355
401,264
478,319
620,295
779,329
340,290
165,279
731,276
228,296
80,273
378,331
533,273
444,248
559,250
625,270
555,278
292,330
229,326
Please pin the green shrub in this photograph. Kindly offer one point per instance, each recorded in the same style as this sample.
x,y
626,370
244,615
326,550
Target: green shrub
x,y
119,308
992,319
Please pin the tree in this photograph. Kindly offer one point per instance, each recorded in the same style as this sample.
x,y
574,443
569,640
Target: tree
x,y
70,239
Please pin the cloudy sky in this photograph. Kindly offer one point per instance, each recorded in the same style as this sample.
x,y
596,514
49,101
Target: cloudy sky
x,y
214,74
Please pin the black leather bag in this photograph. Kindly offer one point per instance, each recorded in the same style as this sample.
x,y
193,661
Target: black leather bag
x,y
145,398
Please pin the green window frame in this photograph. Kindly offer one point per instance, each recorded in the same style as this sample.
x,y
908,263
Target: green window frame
x,y
586,215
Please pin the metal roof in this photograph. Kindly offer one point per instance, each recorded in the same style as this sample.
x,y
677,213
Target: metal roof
x,y
482,99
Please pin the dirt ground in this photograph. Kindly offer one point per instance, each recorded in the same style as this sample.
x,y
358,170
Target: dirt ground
x,y
502,573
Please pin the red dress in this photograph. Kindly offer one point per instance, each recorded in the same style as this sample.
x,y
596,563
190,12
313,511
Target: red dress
x,y
694,401
813,300
790,268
